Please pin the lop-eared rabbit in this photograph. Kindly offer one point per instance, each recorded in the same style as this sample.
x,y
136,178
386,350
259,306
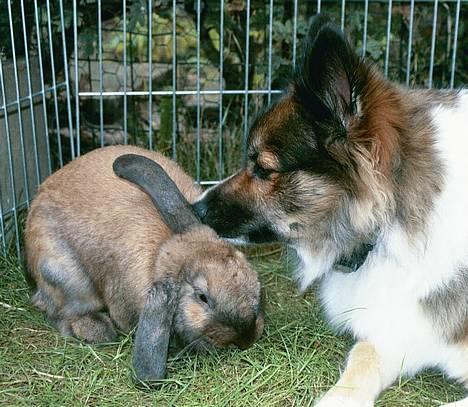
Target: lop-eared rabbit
x,y
103,257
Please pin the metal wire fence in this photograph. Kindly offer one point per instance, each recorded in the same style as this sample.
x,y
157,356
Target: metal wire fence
x,y
180,76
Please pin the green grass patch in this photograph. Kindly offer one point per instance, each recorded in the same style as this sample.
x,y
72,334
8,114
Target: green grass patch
x,y
297,359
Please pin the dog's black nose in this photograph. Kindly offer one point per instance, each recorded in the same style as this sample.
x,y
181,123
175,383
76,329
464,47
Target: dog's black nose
x,y
201,209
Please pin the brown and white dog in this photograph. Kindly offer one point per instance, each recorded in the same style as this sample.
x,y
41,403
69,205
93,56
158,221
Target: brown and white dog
x,y
351,169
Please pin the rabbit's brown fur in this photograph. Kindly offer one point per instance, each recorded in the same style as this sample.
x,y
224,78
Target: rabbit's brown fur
x,y
78,204
96,245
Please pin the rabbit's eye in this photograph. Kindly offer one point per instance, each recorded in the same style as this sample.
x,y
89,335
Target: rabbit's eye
x,y
203,298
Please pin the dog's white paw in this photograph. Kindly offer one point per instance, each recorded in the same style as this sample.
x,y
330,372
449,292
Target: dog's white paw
x,y
335,400
461,403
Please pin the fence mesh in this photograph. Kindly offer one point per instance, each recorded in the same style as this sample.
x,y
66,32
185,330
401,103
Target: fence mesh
x,y
183,76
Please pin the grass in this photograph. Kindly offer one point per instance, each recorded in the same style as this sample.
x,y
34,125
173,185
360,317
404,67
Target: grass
x,y
296,360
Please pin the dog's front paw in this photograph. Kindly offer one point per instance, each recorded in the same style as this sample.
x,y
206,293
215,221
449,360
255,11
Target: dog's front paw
x,y
336,400
461,403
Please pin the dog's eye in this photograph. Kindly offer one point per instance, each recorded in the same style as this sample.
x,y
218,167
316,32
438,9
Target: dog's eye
x,y
261,172
203,298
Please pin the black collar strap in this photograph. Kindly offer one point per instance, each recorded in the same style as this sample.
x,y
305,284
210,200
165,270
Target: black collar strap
x,y
355,260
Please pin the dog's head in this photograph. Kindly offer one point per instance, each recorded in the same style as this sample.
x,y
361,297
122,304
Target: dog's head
x,y
319,159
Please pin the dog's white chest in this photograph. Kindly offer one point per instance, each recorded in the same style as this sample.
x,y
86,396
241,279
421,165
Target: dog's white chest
x,y
382,301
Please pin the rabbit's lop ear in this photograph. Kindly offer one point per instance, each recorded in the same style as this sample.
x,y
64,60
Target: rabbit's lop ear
x,y
176,211
154,331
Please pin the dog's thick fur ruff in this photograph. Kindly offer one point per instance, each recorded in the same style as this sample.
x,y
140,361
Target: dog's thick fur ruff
x,y
347,158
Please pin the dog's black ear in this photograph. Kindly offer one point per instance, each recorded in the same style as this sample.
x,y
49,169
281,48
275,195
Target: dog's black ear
x,y
154,331
326,76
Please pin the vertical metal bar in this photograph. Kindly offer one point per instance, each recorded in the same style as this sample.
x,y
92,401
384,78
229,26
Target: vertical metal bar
x,y
101,74
150,74
221,86
125,108
198,89
389,33
131,36
10,160
246,82
18,103
410,44
319,6
433,42
77,80
30,92
41,72
2,225
174,79
455,38
54,83
270,51
364,35
67,81
294,56
343,5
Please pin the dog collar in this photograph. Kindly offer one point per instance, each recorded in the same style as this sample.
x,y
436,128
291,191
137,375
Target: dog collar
x,y
355,260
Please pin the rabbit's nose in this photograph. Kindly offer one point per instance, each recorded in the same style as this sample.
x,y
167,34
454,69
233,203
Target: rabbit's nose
x,y
244,343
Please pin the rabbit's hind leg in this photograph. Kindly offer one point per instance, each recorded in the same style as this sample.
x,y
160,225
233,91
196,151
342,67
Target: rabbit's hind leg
x,y
69,297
